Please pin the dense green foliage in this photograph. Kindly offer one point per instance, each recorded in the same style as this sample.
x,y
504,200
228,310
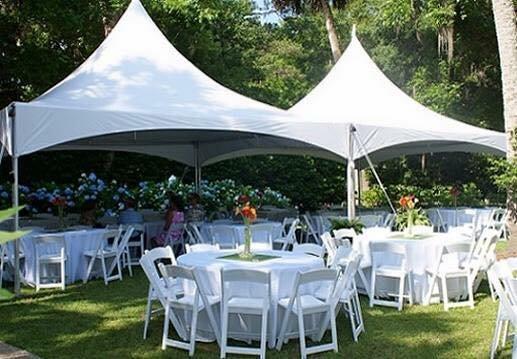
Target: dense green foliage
x,y
42,41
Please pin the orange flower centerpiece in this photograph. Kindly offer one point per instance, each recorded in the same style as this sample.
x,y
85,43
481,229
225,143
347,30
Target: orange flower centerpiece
x,y
249,215
410,215
60,203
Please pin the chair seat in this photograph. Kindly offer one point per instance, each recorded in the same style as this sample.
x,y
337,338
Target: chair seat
x,y
50,258
187,301
390,271
243,302
307,302
450,270
107,252
323,294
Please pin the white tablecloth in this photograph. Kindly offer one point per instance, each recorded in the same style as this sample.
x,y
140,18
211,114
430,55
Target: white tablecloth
x,y
283,273
421,254
239,228
76,242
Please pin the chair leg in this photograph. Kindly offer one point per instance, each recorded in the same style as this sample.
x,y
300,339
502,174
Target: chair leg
x,y
119,266
367,288
165,334
431,288
445,295
224,332
333,329
148,311
496,336
410,287
280,340
372,288
129,264
103,264
193,329
63,276
402,281
471,293
301,330
37,275
89,270
263,334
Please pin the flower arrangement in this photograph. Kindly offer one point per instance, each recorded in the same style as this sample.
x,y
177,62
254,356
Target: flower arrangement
x,y
249,215
410,215
60,203
455,192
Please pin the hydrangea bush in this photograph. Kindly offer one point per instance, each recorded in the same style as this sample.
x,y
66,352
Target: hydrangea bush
x,y
111,197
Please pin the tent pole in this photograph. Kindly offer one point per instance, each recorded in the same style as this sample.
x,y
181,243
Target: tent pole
x,y
16,225
197,174
16,228
350,183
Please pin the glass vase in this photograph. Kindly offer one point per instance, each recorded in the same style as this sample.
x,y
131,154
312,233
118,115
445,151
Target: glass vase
x,y
246,253
410,223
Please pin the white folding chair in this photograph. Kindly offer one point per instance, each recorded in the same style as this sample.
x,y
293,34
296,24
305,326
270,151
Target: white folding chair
x,y
287,224
288,238
50,250
389,220
345,233
396,271
310,229
349,297
497,221
330,247
202,247
258,305
505,288
104,253
484,256
224,235
309,248
346,289
262,233
181,301
455,263
300,304
194,234
136,243
157,288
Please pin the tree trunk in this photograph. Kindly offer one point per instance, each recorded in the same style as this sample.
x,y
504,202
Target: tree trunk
x,y
506,29
331,30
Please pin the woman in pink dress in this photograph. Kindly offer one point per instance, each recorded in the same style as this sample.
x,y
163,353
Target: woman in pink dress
x,y
172,232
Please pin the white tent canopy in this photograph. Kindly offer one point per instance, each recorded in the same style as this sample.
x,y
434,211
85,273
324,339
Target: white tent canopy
x,y
388,122
137,93
382,119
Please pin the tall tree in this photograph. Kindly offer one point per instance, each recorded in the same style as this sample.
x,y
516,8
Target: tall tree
x,y
298,6
506,28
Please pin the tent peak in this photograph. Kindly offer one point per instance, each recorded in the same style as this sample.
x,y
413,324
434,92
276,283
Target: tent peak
x,y
353,30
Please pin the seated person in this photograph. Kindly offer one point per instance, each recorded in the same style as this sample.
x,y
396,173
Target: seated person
x,y
195,211
130,215
171,233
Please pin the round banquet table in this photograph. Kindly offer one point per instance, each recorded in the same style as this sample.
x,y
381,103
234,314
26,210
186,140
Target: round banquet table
x,y
420,254
283,273
76,243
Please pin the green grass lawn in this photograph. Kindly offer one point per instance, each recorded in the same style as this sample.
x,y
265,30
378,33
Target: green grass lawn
x,y
96,321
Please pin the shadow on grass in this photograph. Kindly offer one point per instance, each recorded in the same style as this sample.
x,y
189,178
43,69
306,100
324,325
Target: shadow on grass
x,y
95,320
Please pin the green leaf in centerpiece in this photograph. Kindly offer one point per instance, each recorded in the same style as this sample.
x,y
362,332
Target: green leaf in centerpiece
x,y
254,258
8,213
11,236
